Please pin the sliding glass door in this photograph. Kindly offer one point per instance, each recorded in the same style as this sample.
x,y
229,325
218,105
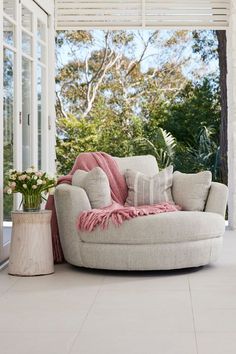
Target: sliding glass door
x,y
24,98
9,51
34,83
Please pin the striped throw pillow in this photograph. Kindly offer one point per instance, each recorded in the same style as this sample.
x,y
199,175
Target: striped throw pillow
x,y
146,190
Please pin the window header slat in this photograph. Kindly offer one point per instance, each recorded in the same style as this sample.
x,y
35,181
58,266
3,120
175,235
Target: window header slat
x,y
108,14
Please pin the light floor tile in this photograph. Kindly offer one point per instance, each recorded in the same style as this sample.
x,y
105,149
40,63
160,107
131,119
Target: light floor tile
x,y
215,281
73,280
215,320
133,298
6,281
215,343
217,298
162,281
82,311
44,311
135,343
119,312
220,274
36,343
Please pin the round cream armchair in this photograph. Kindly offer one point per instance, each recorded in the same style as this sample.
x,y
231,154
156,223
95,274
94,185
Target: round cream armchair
x,y
165,241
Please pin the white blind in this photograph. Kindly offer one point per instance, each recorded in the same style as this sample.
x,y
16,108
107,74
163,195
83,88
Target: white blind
x,y
118,14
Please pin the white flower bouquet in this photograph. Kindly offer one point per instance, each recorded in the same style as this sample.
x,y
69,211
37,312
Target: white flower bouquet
x,y
33,185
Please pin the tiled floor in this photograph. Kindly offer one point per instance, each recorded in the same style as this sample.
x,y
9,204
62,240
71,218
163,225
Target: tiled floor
x,y
96,312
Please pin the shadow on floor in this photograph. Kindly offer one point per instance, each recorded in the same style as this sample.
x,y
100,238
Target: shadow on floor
x,y
146,273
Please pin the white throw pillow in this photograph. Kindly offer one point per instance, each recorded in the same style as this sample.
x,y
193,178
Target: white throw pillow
x,y
190,191
146,190
96,185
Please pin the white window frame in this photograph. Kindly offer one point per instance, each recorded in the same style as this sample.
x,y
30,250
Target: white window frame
x,y
37,14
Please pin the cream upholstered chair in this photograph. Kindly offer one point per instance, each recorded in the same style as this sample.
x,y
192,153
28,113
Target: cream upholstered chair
x,y
166,241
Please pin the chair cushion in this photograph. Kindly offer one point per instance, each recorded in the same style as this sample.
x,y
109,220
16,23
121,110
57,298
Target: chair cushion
x,y
145,164
96,185
190,190
149,190
177,226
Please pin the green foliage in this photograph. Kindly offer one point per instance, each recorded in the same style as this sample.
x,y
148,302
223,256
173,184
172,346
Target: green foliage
x,y
108,101
194,107
206,156
112,134
193,119
162,146
74,136
206,44
202,155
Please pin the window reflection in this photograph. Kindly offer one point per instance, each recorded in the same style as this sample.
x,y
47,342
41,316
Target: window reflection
x,y
26,112
8,32
26,18
9,7
8,114
26,43
41,28
39,96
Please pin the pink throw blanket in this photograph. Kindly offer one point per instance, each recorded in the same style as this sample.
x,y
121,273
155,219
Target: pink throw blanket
x,y
117,213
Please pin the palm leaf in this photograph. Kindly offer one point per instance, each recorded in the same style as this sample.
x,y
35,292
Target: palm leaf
x,y
163,147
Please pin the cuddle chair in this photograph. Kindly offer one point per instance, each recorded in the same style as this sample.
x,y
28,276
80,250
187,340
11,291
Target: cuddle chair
x,y
182,239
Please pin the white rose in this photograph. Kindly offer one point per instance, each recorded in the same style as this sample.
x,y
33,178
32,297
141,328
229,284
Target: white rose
x,y
49,176
9,191
29,170
39,174
34,186
25,186
35,177
39,181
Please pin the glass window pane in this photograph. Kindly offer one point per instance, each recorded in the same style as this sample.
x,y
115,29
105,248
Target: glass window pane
x,y
26,43
41,109
8,32
41,52
26,18
9,7
26,111
41,30
39,97
8,114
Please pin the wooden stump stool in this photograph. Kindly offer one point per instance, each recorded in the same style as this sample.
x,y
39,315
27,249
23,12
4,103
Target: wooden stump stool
x,y
31,244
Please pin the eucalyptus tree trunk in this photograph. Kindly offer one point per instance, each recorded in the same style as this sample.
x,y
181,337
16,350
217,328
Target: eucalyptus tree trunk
x,y
222,46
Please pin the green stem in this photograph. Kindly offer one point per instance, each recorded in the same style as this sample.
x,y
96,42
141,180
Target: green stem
x,y
31,201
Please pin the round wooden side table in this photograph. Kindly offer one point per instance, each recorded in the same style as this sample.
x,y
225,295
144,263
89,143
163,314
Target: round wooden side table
x,y
31,244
